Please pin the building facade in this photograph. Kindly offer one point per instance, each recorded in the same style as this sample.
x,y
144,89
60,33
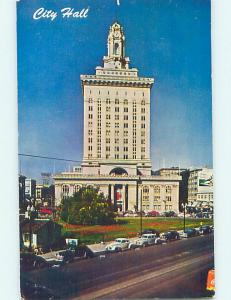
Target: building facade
x,y
200,187
183,185
30,188
116,154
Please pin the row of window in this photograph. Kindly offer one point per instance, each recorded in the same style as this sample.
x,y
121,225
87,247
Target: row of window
x,y
117,125
117,117
117,101
117,109
116,156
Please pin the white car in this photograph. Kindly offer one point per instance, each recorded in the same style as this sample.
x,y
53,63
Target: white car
x,y
146,240
119,245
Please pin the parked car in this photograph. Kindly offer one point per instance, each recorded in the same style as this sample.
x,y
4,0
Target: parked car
x,y
154,231
118,245
65,256
205,229
130,213
170,235
153,214
189,232
146,240
29,261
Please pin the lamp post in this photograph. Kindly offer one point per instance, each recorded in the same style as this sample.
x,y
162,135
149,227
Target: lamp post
x,y
139,182
183,205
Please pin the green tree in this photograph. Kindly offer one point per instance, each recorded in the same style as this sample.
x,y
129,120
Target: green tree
x,y
87,207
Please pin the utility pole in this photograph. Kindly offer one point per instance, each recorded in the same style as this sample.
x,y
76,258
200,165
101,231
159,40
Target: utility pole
x,y
139,182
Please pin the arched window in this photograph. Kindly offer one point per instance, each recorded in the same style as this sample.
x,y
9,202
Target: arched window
x,y
156,189
76,188
116,49
65,190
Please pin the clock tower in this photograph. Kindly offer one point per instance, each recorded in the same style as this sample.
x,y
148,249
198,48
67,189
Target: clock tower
x,y
116,49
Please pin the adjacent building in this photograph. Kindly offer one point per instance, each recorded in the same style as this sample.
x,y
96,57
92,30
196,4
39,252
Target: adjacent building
x,y
116,154
183,184
200,187
30,189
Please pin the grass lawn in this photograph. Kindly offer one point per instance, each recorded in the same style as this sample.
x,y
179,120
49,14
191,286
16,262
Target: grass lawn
x,y
126,227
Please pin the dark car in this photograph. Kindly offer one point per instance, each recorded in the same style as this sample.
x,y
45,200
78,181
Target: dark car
x,y
65,256
30,261
189,232
171,235
205,229
32,290
154,231
84,252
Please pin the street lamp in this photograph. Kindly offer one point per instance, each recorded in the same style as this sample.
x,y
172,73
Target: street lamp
x,y
139,182
30,213
184,205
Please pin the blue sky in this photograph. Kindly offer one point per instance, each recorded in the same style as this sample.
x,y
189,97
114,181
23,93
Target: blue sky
x,y
165,39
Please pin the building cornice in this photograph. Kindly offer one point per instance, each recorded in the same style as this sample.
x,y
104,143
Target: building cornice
x,y
73,176
117,80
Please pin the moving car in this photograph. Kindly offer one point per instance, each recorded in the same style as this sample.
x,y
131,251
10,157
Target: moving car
x,y
30,261
65,256
118,245
171,235
205,229
189,232
32,290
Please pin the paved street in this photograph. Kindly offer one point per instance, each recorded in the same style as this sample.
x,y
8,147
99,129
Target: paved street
x,y
177,269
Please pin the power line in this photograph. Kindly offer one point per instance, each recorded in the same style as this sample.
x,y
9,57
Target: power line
x,y
64,159
49,157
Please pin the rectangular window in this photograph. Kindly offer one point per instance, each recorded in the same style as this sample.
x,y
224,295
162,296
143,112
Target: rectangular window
x,y
117,117
117,109
125,156
125,149
143,142
107,140
142,118
125,109
125,133
143,110
142,149
125,141
90,116
117,148
108,108
143,125
125,125
116,141
125,117
116,132
117,125
116,156
90,108
142,133
108,117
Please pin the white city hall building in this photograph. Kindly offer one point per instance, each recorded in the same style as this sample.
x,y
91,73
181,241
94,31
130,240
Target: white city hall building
x,y
116,144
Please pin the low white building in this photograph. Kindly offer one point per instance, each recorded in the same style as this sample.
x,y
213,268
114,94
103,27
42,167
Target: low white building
x,y
200,187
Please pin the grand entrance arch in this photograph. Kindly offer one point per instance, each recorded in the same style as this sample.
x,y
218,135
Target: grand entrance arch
x,y
118,171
